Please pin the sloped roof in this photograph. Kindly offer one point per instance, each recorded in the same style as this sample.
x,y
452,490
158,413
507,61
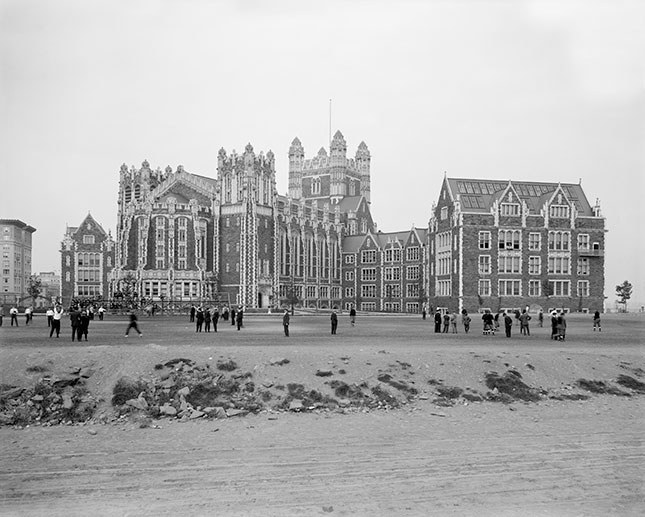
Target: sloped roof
x,y
349,203
352,243
477,195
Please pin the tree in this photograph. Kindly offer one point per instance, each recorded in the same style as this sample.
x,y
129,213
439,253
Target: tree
x,y
290,297
624,293
34,288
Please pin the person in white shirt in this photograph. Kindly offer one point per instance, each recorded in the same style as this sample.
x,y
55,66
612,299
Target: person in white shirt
x,y
58,314
50,317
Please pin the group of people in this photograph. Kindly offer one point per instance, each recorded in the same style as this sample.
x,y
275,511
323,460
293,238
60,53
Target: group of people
x,y
204,317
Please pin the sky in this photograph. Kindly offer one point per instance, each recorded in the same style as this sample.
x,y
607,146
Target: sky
x,y
523,90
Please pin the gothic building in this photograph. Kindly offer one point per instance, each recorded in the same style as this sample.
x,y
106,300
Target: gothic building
x,y
87,257
233,238
503,245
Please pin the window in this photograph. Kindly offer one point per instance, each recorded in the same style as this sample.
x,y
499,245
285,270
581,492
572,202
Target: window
x,y
443,288
67,261
392,306
509,239
559,266
444,213
393,255
88,239
412,253
559,211
511,209
412,290
311,291
349,276
368,306
560,287
392,273
535,266
443,264
368,291
392,290
583,266
509,264
368,274
484,240
583,288
350,259
349,292
535,241
559,241
583,242
368,256
534,288
509,288
484,264
483,289
412,273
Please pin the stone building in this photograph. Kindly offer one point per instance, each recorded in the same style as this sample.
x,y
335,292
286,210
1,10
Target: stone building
x,y
504,245
233,239
16,260
87,257
50,289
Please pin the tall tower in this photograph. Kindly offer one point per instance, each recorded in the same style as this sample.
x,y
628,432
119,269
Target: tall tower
x,y
296,159
363,158
338,163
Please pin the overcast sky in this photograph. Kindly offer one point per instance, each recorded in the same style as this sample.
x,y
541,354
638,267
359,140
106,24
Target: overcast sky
x,y
525,90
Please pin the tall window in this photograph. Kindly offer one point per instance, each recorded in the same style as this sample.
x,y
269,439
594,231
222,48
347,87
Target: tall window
x,y
509,264
393,255
583,266
560,287
368,274
510,288
483,288
583,288
392,273
535,241
484,240
559,266
534,288
559,241
412,273
349,276
412,290
368,256
484,264
412,253
368,291
160,242
535,266
443,288
583,241
509,239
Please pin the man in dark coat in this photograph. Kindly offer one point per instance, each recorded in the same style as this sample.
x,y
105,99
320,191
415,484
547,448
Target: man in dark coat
x,y
215,318
75,319
199,319
508,324
334,321
285,322
193,310
437,321
239,318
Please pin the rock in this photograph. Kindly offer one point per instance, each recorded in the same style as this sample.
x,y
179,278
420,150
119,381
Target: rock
x,y
324,373
328,509
168,383
67,401
267,384
138,403
37,398
168,410
196,414
296,405
344,402
11,393
86,372
235,412
183,391
278,361
6,419
218,412
65,380
92,431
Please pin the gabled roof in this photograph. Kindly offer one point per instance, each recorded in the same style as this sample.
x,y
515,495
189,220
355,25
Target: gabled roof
x,y
478,195
350,203
352,243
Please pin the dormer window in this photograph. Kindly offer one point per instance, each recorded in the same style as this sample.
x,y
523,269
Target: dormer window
x,y
511,209
88,239
559,211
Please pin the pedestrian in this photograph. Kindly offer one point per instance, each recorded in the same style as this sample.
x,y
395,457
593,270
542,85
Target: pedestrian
x,y
1,314
215,318
453,322
193,310
525,317
489,326
596,321
239,318
225,313
58,315
199,319
207,320
101,312
50,316
285,322
437,321
561,327
85,324
554,325
27,315
13,312
446,322
423,312
352,315
465,319
508,324
233,316
133,324
540,318
334,321
75,320
496,320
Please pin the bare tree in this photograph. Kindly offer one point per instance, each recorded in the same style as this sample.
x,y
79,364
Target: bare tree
x,y
624,293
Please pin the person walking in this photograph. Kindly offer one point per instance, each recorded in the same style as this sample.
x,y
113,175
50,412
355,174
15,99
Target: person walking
x,y
75,320
58,315
489,326
352,315
50,316
424,312
466,319
239,318
13,312
540,318
193,310
101,312
525,317
446,322
508,324
133,324
85,324
596,321
215,318
285,322
225,313
334,321
561,327
199,319
453,322
437,321
207,320
28,312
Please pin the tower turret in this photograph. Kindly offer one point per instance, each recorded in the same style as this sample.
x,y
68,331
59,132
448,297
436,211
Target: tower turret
x,y
363,159
296,159
338,150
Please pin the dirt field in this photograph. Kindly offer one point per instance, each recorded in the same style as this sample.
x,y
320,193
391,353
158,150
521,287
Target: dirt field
x,y
551,457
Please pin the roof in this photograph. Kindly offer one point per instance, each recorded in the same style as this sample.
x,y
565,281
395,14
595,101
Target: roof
x,y
478,195
350,203
18,223
352,243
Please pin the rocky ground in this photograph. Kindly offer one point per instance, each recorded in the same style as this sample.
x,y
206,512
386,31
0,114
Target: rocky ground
x,y
383,372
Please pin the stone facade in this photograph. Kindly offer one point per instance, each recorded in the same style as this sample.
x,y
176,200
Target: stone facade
x,y
87,258
16,260
508,245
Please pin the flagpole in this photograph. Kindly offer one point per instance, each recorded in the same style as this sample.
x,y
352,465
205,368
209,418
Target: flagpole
x,y
330,124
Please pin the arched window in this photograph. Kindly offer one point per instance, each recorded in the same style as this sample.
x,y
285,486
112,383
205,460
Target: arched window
x,y
128,194
137,191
